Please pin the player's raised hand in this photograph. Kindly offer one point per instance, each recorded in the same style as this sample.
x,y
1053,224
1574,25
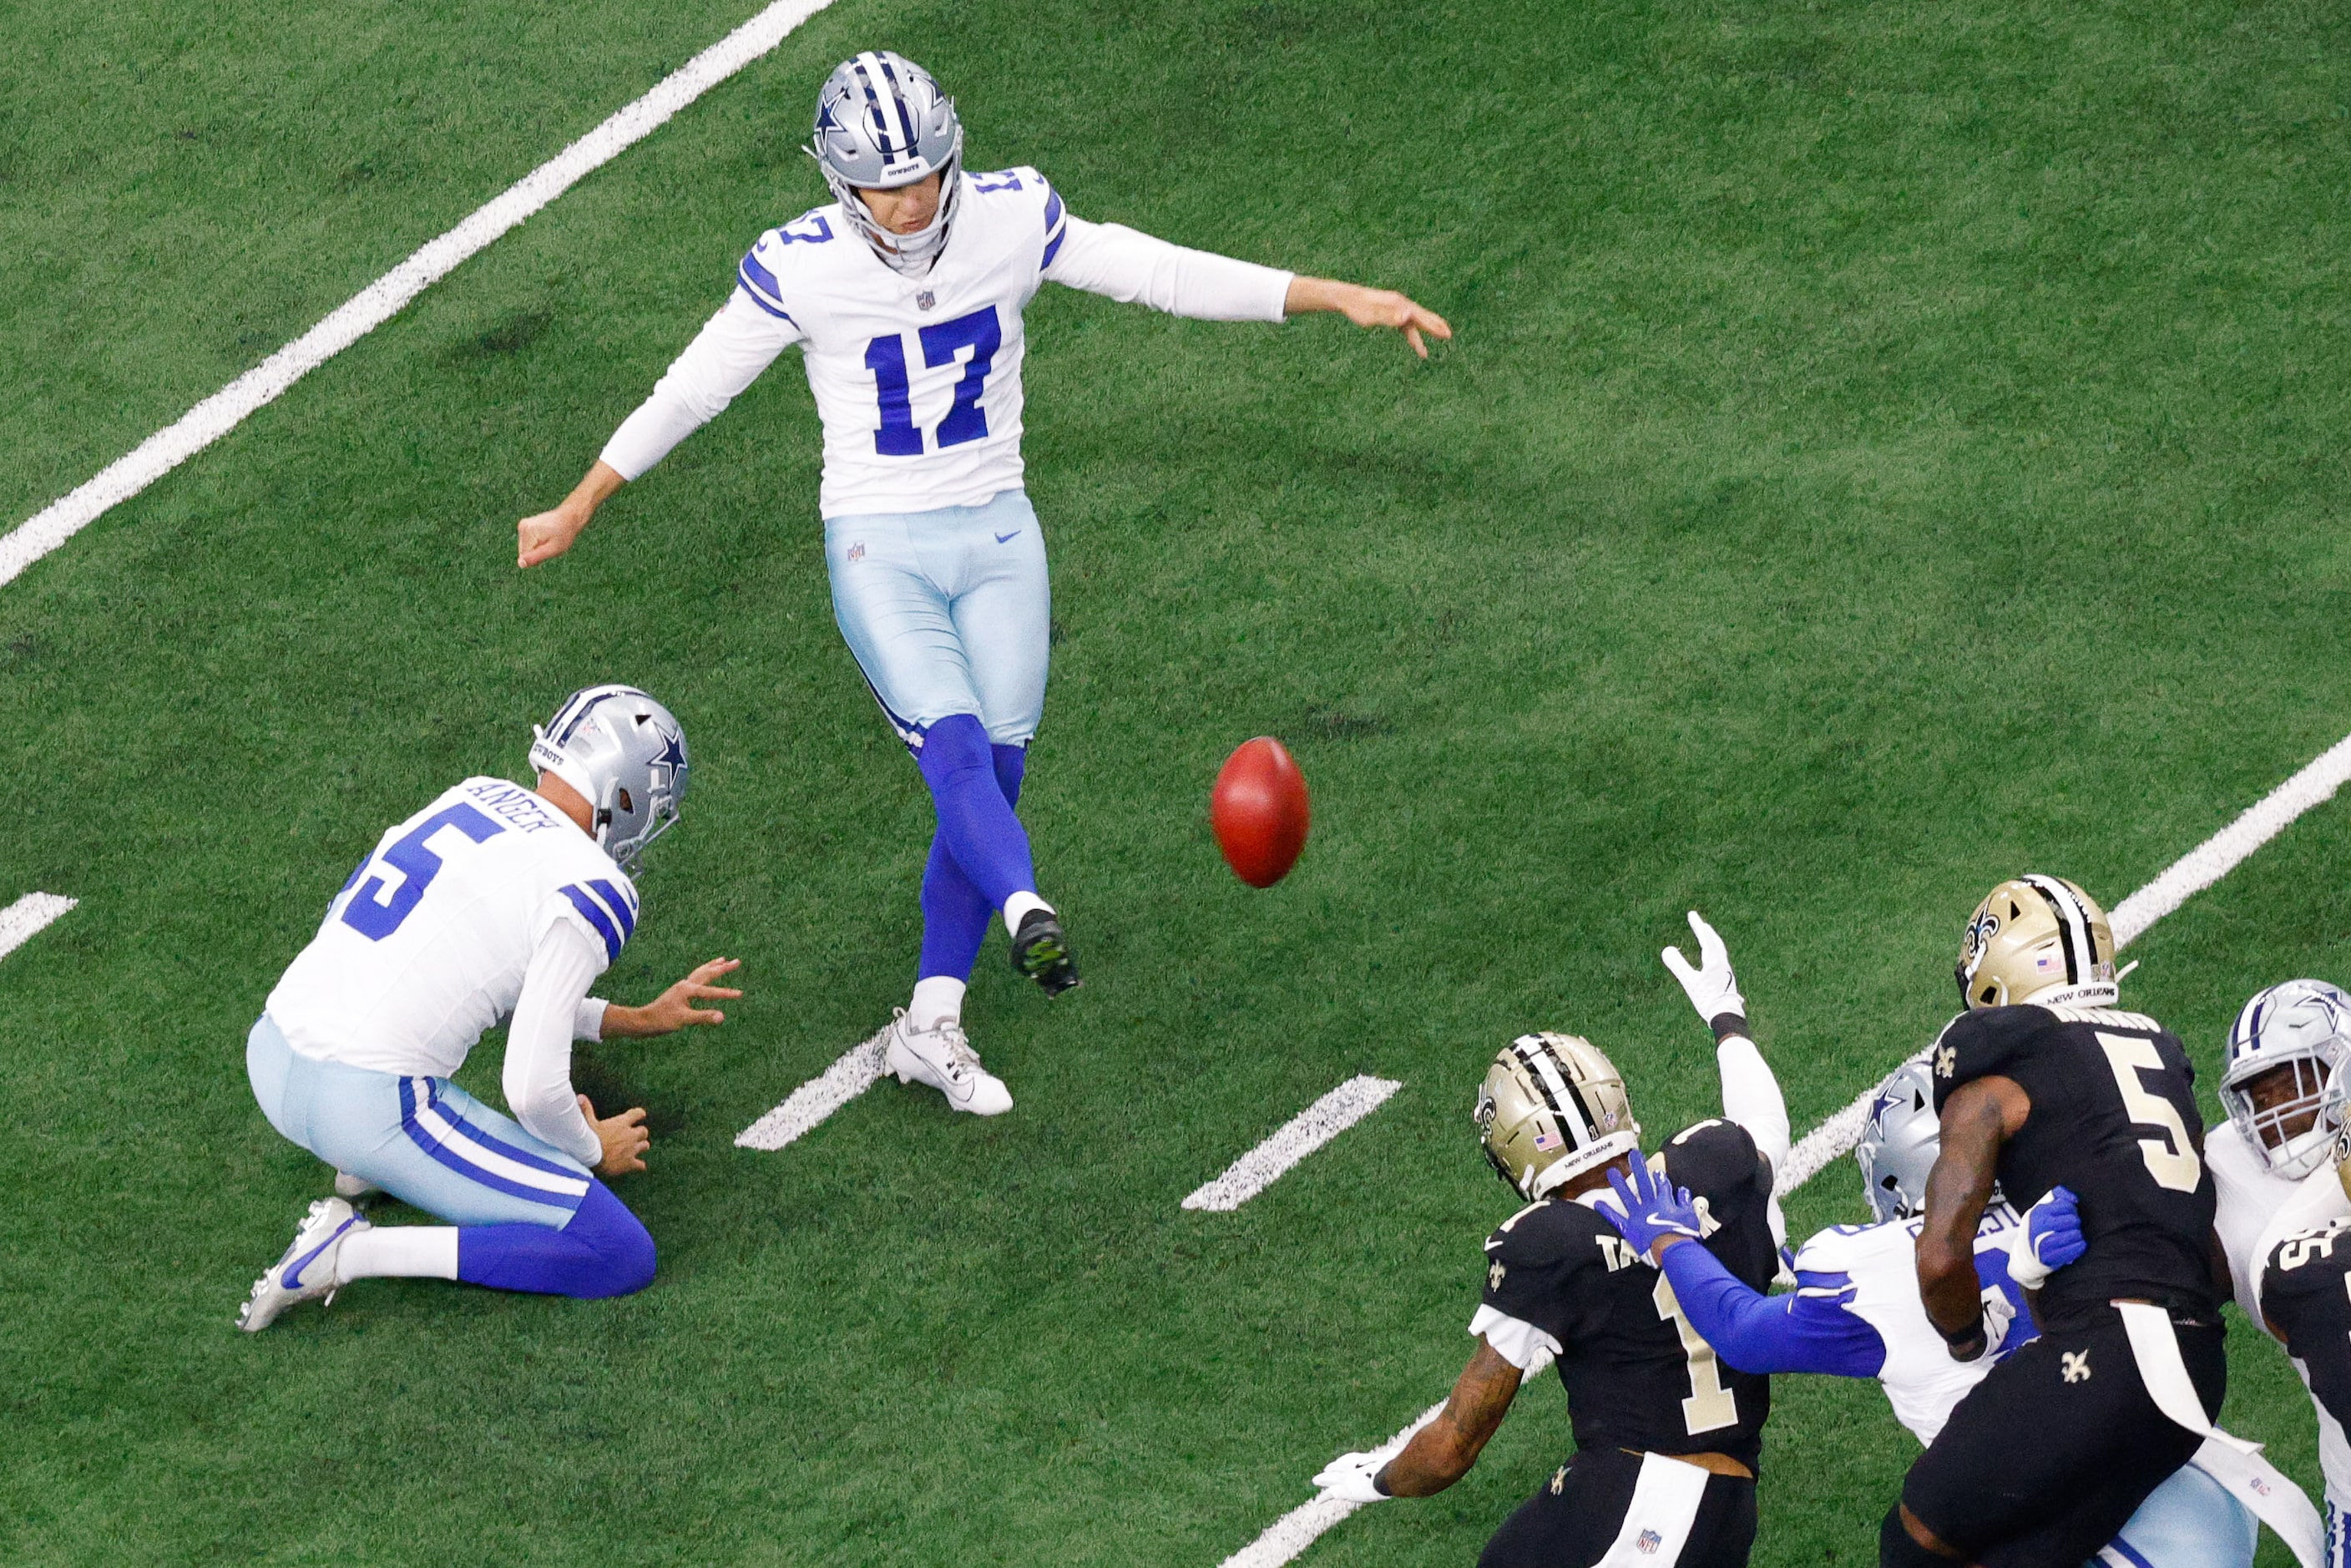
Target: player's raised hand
x,y
624,1136
673,1009
1711,985
1367,307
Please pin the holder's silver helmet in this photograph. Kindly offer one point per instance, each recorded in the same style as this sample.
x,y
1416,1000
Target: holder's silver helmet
x,y
1900,1141
2304,1026
625,754
880,122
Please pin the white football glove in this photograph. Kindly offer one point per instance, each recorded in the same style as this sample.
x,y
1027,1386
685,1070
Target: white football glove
x,y
1350,1478
1999,1313
1711,985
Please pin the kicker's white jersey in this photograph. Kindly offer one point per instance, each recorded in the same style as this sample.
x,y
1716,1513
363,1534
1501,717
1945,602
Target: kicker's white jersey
x,y
1872,1271
426,944
917,380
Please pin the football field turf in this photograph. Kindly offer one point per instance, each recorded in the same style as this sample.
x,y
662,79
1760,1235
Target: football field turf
x,y
1884,448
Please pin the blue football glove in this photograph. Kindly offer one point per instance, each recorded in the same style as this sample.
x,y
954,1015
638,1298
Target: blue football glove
x,y
1652,1207
2050,1238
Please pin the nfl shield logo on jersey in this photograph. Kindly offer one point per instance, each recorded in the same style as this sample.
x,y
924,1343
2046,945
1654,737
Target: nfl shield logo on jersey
x,y
1649,1543
925,299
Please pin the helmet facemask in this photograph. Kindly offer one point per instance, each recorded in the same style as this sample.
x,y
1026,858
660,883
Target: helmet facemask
x,y
2283,1085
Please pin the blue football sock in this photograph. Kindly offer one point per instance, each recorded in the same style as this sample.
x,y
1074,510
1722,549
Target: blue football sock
x,y
955,912
604,1251
983,837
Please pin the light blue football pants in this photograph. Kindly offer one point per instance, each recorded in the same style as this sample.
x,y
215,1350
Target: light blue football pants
x,y
947,611
2188,1522
423,1140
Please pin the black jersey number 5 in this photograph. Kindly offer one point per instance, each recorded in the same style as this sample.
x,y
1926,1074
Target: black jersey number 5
x,y
2171,1159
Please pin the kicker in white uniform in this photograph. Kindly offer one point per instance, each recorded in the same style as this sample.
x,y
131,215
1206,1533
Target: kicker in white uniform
x,y
495,901
905,295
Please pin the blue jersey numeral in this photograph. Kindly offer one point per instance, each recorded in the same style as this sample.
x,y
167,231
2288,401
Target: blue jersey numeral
x,y
981,187
885,356
817,232
375,917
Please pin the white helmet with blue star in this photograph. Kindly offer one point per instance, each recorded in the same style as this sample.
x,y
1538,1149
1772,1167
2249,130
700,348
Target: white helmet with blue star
x,y
882,123
625,754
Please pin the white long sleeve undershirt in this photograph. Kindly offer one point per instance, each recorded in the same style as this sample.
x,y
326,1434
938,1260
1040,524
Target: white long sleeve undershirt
x,y
740,342
553,1009
1752,1097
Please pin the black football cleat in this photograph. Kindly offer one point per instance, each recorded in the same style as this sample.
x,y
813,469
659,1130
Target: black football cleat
x,y
1041,950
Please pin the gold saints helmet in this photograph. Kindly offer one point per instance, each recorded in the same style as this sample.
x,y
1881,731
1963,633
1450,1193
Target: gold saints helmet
x,y
2037,939
1551,1107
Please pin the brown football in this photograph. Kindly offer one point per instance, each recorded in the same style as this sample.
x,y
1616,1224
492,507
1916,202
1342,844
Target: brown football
x,y
1258,811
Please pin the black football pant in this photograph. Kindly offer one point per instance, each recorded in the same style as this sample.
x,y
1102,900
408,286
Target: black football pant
x,y
2051,1453
1589,1506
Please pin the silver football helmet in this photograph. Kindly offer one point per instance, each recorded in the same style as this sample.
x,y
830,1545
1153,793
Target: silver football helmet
x,y
625,754
880,122
1900,1141
2303,1026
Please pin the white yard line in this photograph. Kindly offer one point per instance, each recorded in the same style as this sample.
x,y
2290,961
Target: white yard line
x,y
1293,1142
25,919
381,300
853,1074
1287,1537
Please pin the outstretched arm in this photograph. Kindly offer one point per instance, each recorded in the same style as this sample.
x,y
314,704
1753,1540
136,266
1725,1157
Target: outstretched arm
x,y
1442,1452
1125,264
738,343
1759,1333
1367,307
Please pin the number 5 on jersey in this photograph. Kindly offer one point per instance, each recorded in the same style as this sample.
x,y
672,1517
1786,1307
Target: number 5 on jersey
x,y
942,341
2171,1159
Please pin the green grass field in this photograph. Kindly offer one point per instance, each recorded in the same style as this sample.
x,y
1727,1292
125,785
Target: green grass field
x,y
1886,447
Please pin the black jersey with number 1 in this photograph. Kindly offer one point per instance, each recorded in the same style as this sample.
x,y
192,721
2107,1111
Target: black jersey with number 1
x,y
2114,1119
1637,1375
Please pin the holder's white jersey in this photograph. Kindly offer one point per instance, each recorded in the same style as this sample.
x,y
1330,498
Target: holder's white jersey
x,y
917,380
1872,1271
426,944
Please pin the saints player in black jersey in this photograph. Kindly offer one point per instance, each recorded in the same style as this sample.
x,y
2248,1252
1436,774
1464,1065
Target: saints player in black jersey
x,y
1666,1436
2041,1082
2306,1301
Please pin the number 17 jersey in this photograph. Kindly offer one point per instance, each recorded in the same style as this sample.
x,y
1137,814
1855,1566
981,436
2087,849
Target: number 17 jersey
x,y
1637,1374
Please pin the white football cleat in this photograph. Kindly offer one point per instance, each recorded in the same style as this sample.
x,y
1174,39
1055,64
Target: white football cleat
x,y
941,1057
305,1271
353,1188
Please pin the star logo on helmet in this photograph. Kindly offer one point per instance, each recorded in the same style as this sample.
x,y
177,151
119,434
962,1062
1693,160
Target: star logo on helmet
x,y
1947,1062
673,754
826,119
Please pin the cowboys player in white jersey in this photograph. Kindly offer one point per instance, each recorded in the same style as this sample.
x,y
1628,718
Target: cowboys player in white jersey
x,y
494,900
2283,1209
905,295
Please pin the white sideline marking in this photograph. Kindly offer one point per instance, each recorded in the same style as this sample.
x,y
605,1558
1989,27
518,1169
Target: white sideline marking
x,y
1293,1142
2199,869
24,920
381,300
853,1074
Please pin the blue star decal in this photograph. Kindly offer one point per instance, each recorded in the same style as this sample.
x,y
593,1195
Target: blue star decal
x,y
825,119
673,756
